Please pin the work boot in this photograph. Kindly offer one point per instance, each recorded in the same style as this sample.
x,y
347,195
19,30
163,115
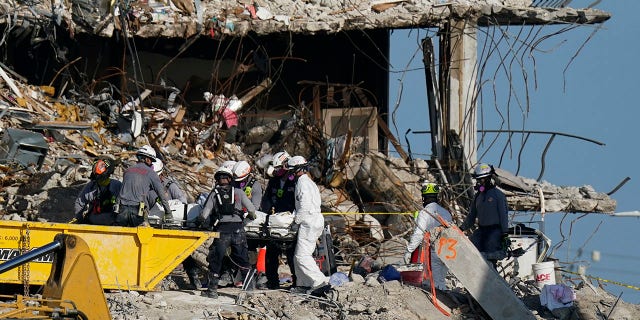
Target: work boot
x,y
212,290
210,293
195,281
300,289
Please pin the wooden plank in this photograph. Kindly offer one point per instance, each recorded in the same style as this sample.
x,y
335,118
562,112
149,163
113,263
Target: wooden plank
x,y
172,130
479,277
385,129
266,83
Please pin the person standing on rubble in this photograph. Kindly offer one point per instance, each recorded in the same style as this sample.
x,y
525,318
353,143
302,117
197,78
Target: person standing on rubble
x,y
279,196
427,219
96,202
224,211
225,113
490,208
309,221
244,180
189,264
138,181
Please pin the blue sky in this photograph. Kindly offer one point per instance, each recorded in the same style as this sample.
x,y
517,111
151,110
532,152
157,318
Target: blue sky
x,y
592,98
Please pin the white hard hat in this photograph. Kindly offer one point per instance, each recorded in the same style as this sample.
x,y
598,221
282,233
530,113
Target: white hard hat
x,y
241,170
483,170
146,151
280,158
296,163
223,171
158,166
228,164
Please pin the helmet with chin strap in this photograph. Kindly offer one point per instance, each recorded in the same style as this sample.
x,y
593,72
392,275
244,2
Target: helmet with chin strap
x,y
429,188
241,170
280,159
158,166
297,164
101,169
146,151
483,170
223,172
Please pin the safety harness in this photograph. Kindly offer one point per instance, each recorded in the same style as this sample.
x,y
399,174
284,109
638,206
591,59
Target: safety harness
x,y
426,259
104,201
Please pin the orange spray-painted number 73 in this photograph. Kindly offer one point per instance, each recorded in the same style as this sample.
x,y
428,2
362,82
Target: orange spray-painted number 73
x,y
449,245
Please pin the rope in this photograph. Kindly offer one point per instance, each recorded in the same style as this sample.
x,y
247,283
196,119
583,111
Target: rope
x,y
427,272
603,280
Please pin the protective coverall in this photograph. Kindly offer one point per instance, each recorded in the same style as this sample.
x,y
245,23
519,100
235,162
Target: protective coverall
x,y
311,224
425,222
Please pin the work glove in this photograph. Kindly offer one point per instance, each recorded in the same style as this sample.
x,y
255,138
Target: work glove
x,y
252,215
294,227
407,257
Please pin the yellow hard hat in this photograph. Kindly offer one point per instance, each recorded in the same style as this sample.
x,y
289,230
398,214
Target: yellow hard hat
x,y
430,188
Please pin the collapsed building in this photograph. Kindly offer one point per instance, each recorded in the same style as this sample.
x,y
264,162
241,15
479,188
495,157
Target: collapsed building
x,y
310,77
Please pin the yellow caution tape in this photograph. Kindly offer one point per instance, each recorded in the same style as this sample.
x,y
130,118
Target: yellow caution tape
x,y
604,280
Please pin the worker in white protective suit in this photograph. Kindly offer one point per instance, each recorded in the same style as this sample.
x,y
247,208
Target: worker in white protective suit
x,y
427,220
310,223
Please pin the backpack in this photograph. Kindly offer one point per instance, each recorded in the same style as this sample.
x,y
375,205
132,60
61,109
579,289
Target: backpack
x,y
224,200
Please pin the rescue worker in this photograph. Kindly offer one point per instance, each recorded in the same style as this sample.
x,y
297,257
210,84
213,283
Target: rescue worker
x,y
279,196
171,186
170,183
490,208
223,208
96,202
244,180
138,181
310,224
426,220
189,264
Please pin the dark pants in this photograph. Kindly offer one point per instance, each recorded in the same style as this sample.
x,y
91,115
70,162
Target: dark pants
x,y
237,241
272,261
488,240
128,217
191,268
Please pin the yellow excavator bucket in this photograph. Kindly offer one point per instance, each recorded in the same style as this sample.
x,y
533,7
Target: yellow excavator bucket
x,y
126,258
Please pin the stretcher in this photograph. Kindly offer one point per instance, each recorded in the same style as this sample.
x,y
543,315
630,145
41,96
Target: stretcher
x,y
276,226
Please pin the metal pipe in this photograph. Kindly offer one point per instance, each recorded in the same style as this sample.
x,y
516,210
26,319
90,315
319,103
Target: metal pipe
x,y
31,255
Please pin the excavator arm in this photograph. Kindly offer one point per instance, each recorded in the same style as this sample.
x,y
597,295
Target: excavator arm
x,y
72,291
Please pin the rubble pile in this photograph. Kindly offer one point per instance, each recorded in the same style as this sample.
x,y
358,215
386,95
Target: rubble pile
x,y
215,18
74,130
361,298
